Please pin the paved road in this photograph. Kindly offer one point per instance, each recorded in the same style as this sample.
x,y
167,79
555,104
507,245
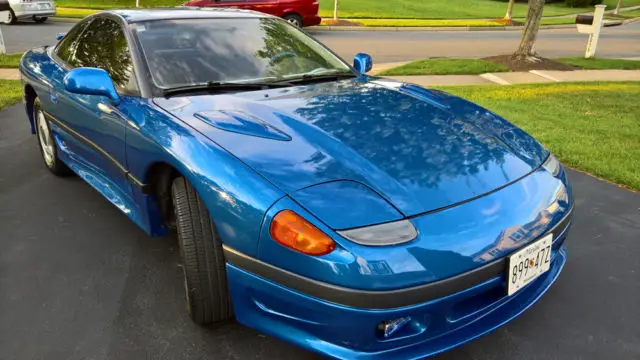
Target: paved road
x,y
78,280
393,46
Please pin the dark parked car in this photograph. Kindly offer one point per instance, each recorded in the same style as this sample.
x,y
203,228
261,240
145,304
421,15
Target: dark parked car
x,y
298,12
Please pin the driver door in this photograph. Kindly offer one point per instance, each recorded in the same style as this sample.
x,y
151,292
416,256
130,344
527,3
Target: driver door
x,y
94,131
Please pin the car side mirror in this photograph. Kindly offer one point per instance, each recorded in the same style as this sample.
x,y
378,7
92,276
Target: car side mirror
x,y
91,81
363,63
60,36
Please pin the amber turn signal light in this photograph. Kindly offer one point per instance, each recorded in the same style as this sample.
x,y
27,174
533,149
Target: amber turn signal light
x,y
293,231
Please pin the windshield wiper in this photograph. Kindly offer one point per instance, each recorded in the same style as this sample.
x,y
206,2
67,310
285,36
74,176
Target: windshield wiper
x,y
309,78
223,86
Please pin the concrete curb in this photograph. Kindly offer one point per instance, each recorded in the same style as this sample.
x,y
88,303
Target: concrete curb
x,y
433,28
64,20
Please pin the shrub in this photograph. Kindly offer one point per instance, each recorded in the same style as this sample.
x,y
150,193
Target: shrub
x,y
582,3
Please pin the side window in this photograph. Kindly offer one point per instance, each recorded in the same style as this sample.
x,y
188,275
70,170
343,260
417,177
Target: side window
x,y
67,47
104,45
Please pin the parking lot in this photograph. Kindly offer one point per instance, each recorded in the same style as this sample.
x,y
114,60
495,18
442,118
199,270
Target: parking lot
x,y
78,280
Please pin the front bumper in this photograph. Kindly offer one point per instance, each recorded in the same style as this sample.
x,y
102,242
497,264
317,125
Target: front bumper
x,y
311,20
349,332
24,12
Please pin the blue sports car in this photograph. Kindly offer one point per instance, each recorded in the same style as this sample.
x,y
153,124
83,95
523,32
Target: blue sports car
x,y
354,216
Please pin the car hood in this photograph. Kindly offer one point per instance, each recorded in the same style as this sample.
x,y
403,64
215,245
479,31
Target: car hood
x,y
420,150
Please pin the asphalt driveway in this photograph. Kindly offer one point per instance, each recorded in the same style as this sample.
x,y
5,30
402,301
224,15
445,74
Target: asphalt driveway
x,y
78,280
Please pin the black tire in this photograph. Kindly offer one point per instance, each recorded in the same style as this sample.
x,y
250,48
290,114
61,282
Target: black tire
x,y
55,165
294,19
12,17
39,20
203,263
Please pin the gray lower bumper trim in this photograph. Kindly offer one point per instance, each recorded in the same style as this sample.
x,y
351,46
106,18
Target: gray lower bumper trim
x,y
375,299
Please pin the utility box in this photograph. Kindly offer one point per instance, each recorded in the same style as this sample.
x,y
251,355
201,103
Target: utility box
x,y
592,25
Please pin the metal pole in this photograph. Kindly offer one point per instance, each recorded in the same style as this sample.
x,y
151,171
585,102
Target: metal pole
x,y
4,17
137,3
335,10
3,50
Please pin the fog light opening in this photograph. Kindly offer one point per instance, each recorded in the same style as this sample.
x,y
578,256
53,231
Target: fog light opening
x,y
387,328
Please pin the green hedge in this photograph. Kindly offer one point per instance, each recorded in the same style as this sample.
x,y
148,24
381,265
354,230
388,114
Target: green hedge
x,y
582,3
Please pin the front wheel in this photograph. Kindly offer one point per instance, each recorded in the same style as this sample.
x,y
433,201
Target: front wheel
x,y
39,19
47,143
294,19
203,263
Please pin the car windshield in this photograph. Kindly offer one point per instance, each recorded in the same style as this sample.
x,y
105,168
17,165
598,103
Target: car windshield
x,y
195,51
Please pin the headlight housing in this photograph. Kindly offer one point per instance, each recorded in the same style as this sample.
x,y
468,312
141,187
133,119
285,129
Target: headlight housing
x,y
391,233
552,165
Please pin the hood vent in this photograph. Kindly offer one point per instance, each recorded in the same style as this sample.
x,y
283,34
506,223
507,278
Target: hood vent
x,y
241,123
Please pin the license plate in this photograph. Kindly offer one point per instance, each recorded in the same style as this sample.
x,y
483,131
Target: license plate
x,y
529,263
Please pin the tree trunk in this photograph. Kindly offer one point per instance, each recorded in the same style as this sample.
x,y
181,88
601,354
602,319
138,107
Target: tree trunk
x,y
618,7
335,10
509,10
526,50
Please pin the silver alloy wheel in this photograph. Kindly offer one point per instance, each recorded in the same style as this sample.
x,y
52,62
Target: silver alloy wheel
x,y
10,18
44,136
294,21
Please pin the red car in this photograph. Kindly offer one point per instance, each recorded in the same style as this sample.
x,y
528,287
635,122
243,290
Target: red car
x,y
297,12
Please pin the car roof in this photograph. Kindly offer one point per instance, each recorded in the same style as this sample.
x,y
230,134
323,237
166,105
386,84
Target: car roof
x,y
136,15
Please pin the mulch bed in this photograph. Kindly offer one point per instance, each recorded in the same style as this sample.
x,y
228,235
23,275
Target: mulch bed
x,y
507,22
331,22
519,65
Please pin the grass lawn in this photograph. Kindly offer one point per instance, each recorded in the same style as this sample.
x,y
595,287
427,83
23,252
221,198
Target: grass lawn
x,y
384,9
9,93
74,12
114,4
424,22
590,126
439,9
599,63
10,61
477,66
445,67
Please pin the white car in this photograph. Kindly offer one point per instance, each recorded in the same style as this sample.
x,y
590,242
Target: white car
x,y
37,10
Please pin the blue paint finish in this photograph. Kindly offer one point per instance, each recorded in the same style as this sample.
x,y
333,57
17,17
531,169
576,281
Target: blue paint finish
x,y
363,63
417,155
236,196
349,333
342,154
449,242
242,124
91,81
346,204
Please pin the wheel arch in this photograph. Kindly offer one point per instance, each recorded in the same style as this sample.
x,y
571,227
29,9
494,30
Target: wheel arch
x,y
293,12
159,177
30,96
